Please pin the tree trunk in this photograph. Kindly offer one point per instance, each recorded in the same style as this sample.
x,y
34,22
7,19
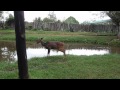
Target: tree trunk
x,y
21,44
118,35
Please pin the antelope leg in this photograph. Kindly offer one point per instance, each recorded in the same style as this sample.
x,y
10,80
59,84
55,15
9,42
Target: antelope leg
x,y
48,51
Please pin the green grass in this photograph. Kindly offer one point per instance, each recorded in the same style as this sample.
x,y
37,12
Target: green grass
x,y
8,70
72,67
77,37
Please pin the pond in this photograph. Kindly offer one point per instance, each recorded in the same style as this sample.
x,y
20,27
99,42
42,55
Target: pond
x,y
8,50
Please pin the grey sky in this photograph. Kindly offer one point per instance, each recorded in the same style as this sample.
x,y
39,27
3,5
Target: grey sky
x,y
81,16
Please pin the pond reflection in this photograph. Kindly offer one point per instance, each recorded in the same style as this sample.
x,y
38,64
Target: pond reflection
x,y
8,50
41,52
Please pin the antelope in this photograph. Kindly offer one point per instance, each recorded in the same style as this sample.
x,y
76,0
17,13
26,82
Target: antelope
x,y
59,46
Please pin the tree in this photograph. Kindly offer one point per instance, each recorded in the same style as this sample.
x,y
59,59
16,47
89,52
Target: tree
x,y
85,22
58,21
37,20
52,16
21,44
10,21
1,15
47,20
2,19
71,20
115,17
37,23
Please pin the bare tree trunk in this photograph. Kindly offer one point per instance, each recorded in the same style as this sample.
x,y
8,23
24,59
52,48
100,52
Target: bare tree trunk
x,y
21,44
118,35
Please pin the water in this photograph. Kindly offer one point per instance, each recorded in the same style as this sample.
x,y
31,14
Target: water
x,y
8,50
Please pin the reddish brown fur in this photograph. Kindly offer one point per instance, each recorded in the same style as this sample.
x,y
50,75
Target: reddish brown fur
x,y
59,46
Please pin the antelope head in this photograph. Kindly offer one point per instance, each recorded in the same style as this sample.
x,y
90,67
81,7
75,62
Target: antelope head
x,y
39,41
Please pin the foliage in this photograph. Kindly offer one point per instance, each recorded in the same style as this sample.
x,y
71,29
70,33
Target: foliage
x,y
115,42
115,16
47,20
58,21
28,25
86,22
52,16
1,15
10,20
71,20
37,19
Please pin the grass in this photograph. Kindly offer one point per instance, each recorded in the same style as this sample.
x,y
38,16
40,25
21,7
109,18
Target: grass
x,y
72,67
77,37
8,70
78,67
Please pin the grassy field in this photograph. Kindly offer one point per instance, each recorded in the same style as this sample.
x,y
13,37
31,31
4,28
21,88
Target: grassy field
x,y
72,67
79,37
